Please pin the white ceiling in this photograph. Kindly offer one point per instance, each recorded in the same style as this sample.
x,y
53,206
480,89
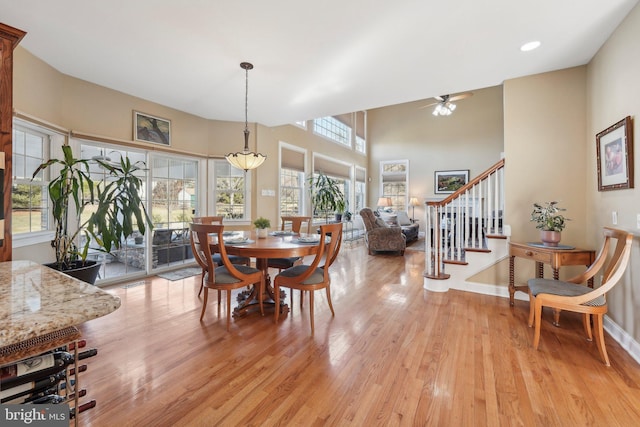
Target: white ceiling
x,y
311,58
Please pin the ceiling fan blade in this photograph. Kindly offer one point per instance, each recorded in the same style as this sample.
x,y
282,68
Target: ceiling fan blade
x,y
461,96
429,105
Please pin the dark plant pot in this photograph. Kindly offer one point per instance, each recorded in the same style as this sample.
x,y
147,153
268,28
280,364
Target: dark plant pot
x,y
338,217
87,271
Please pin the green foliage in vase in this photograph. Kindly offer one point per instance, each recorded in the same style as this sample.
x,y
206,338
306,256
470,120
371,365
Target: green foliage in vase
x,y
548,217
261,223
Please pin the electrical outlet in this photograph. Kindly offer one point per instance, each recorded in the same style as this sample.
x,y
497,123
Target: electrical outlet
x,y
614,218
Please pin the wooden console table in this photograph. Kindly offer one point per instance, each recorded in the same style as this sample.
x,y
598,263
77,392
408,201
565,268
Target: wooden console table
x,y
545,255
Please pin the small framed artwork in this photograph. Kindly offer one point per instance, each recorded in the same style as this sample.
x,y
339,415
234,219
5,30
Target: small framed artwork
x,y
148,128
447,182
614,148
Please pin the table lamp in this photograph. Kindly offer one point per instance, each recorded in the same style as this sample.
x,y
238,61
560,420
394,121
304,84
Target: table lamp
x,y
413,202
384,202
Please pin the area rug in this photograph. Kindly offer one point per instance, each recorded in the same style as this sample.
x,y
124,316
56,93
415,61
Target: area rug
x,y
416,245
180,274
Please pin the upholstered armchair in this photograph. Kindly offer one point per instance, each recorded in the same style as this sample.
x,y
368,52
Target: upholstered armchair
x,y
380,237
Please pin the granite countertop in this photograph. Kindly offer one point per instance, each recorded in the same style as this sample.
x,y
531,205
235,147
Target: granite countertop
x,y
36,300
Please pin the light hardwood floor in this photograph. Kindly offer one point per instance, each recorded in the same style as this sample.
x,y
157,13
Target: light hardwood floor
x,y
394,354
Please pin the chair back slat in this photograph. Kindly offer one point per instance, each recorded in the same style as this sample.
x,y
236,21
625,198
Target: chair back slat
x,y
616,265
296,223
200,238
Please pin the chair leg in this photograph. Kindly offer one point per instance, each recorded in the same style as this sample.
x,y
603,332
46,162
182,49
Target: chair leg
x,y
532,302
311,305
599,330
276,294
201,283
301,298
586,322
261,296
228,309
204,302
329,300
538,322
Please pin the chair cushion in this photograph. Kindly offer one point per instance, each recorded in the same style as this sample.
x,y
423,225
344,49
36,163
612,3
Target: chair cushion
x,y
316,277
235,259
283,262
223,276
562,288
403,218
380,223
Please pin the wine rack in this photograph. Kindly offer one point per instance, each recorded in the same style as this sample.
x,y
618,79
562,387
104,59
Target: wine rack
x,y
45,387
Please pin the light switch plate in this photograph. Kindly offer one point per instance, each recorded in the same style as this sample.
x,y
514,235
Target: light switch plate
x,y
614,218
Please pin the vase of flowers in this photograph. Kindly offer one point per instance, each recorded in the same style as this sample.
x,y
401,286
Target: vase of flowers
x,y
549,221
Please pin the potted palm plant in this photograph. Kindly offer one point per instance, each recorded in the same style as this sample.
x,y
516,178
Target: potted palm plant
x,y
550,222
119,211
326,196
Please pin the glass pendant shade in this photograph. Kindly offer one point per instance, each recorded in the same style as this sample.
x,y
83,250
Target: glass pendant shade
x,y
246,159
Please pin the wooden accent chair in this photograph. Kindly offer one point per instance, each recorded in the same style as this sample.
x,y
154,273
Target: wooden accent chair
x,y
225,277
235,259
296,226
313,276
571,295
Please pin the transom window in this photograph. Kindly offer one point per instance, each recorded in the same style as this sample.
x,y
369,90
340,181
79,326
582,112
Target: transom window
x,y
333,129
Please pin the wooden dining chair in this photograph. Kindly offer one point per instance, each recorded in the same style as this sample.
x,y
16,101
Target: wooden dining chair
x,y
311,277
227,276
573,295
295,222
235,259
296,226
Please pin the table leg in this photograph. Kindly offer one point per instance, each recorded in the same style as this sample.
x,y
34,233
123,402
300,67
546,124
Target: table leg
x,y
512,287
248,300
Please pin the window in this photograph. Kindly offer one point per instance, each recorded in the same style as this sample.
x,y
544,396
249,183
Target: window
x,y
291,192
361,132
394,176
30,199
336,170
230,191
173,191
333,129
360,189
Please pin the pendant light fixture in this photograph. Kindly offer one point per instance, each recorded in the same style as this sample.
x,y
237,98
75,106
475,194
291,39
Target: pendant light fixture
x,y
246,159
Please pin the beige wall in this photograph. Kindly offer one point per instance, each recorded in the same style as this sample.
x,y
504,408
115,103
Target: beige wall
x,y
545,134
42,92
471,138
614,93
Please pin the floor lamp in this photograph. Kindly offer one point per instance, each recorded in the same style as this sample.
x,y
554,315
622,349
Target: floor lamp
x,y
413,202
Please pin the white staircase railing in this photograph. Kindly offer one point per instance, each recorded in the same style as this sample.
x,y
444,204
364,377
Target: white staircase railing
x,y
463,221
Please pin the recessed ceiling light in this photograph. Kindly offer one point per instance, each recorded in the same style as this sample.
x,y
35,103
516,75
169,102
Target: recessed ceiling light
x,y
530,46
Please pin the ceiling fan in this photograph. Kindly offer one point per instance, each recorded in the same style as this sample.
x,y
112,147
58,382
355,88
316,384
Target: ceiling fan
x,y
445,105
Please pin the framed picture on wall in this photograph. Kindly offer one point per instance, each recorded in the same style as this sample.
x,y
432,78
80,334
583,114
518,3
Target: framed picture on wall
x,y
447,182
148,128
614,151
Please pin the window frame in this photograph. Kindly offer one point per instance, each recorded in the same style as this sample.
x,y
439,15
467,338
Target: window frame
x,y
50,137
246,219
399,201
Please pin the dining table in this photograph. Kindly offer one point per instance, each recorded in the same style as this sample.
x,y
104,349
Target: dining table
x,y
277,244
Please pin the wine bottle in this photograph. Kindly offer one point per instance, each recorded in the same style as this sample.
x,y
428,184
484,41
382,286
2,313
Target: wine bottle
x,y
50,398
71,346
34,368
81,393
27,389
90,404
87,353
